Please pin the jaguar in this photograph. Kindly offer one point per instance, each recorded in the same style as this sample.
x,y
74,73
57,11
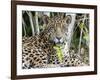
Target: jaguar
x,y
38,51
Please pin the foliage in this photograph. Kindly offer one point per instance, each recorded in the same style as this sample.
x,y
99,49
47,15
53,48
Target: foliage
x,y
80,25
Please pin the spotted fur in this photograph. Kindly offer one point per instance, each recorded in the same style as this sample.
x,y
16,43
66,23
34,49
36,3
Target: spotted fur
x,y
38,51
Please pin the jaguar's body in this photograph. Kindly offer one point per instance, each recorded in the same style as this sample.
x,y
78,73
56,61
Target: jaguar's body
x,y
38,51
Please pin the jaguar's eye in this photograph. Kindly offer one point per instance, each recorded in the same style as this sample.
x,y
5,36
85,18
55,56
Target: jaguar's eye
x,y
57,21
62,21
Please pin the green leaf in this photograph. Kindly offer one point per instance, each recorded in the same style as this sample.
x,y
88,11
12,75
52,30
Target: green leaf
x,y
86,36
59,53
86,30
81,25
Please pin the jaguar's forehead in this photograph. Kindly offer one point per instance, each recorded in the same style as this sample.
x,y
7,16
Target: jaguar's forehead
x,y
56,19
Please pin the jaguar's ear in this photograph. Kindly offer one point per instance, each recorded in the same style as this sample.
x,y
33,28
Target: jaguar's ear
x,y
68,19
45,19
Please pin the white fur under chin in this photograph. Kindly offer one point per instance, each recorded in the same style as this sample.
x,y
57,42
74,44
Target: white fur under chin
x,y
66,49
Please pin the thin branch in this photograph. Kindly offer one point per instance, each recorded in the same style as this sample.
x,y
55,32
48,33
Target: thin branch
x,y
79,47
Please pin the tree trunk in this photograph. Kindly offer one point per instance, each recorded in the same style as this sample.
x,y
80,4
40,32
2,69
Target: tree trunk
x,y
24,25
70,29
31,22
37,23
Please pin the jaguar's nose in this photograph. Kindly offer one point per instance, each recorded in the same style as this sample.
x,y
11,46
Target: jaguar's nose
x,y
58,38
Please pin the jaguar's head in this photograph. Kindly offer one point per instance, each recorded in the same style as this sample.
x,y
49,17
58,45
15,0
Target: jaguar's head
x,y
58,28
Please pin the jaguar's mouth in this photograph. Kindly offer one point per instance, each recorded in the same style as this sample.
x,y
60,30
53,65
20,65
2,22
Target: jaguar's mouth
x,y
58,43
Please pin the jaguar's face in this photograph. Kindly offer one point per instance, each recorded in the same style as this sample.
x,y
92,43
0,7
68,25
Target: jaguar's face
x,y
59,28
